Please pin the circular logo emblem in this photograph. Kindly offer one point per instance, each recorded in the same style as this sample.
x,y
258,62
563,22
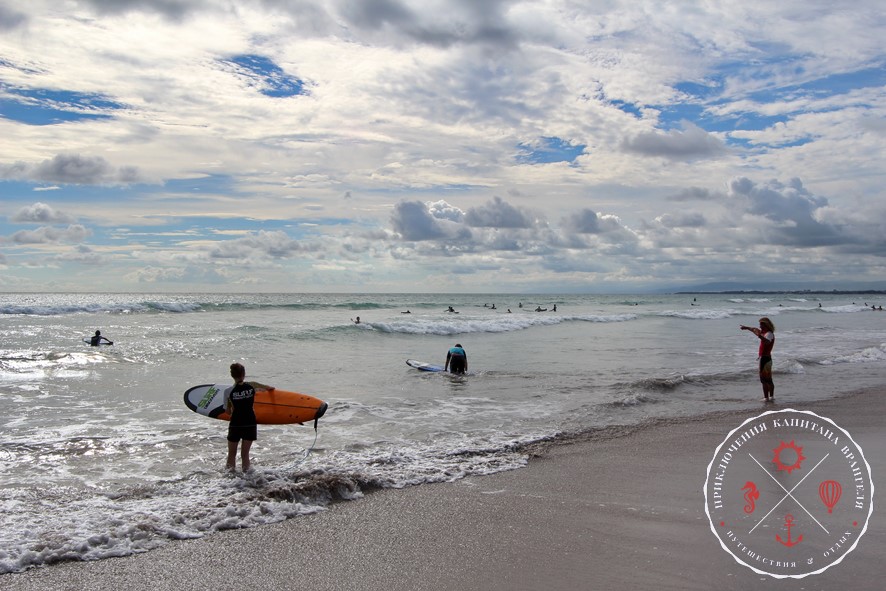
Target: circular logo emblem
x,y
789,493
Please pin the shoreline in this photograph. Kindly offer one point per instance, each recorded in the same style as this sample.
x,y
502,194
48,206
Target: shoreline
x,y
615,508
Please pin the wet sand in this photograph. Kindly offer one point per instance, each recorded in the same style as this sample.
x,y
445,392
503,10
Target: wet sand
x,y
619,512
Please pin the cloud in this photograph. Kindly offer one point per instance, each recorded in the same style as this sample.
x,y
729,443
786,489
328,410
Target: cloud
x,y
690,144
10,19
695,194
42,213
183,275
583,222
417,221
682,220
72,169
791,209
588,221
170,9
82,254
462,22
262,244
498,214
51,235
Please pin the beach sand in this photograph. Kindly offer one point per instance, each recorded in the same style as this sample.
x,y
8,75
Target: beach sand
x,y
618,512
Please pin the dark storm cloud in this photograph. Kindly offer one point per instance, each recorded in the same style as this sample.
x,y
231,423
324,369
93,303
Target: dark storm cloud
x,y
41,213
691,143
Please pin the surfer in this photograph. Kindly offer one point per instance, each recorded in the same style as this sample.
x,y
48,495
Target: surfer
x,y
238,402
357,321
766,334
456,360
97,339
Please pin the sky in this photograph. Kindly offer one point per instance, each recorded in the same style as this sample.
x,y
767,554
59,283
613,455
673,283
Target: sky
x,y
497,146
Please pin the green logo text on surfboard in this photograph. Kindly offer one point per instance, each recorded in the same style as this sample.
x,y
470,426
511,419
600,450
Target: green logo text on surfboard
x,y
207,398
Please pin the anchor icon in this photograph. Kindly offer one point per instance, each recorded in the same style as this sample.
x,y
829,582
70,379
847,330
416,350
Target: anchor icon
x,y
789,523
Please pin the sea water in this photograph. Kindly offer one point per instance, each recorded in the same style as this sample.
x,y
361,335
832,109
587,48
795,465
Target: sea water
x,y
100,457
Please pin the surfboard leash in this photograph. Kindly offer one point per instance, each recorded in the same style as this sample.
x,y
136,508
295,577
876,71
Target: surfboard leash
x,y
310,449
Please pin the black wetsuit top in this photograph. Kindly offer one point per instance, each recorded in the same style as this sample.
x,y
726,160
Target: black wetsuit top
x,y
242,397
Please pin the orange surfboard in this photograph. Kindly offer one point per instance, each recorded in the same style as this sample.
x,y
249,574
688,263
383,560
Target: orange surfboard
x,y
272,407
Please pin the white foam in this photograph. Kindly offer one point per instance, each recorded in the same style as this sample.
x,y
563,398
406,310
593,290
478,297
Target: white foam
x,y
500,323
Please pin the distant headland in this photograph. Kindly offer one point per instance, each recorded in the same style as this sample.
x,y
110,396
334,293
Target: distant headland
x,y
786,291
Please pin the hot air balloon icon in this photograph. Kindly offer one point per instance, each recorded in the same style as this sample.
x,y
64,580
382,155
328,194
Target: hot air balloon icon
x,y
829,491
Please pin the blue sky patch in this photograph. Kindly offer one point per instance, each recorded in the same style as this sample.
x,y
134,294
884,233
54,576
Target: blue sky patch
x,y
629,108
49,107
270,78
548,150
829,86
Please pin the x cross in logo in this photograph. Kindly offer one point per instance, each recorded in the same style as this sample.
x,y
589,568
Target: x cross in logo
x,y
789,493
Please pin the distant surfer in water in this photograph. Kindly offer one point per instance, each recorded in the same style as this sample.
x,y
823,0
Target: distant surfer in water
x,y
96,339
456,360
238,402
766,334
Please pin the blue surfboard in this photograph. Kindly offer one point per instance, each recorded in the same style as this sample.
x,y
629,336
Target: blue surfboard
x,y
421,365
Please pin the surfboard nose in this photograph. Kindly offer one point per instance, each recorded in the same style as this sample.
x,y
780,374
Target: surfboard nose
x,y
321,411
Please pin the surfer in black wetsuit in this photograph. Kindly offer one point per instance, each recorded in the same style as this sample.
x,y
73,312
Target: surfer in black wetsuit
x,y
97,339
238,402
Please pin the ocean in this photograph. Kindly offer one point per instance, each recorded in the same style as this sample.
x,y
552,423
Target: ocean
x,y
99,456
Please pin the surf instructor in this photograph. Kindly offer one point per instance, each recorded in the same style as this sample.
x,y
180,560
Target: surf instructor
x,y
238,402
456,360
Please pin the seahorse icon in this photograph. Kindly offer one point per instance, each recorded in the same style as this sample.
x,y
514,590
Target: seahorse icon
x,y
751,496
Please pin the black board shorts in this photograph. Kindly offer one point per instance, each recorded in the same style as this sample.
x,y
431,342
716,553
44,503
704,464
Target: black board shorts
x,y
247,432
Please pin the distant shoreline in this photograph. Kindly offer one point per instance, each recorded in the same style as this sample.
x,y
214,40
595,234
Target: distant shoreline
x,y
786,291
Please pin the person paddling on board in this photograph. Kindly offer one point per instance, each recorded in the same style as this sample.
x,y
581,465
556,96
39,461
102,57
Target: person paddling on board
x,y
97,339
766,334
238,402
456,360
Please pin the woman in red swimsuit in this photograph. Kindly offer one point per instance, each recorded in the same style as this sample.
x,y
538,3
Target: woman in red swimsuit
x,y
766,334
